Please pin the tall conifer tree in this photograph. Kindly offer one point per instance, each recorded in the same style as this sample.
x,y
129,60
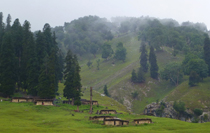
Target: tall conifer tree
x,y
69,91
8,26
31,65
77,83
8,76
206,49
153,64
17,40
143,58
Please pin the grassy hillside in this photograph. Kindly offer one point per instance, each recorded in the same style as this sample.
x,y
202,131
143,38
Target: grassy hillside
x,y
116,74
194,97
26,117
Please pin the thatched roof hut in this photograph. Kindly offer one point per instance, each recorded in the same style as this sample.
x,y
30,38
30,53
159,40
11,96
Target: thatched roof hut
x,y
44,102
115,122
101,118
142,121
108,112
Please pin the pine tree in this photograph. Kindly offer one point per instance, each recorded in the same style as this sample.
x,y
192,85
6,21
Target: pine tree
x,y
153,64
40,48
61,65
8,65
17,40
77,83
206,49
68,90
49,44
8,26
120,53
140,76
133,76
143,58
1,28
1,37
31,64
47,86
106,91
44,82
58,70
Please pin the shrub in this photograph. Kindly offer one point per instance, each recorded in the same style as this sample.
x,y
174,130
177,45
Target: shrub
x,y
179,107
198,112
205,118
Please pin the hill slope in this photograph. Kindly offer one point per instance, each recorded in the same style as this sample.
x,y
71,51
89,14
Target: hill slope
x,y
116,74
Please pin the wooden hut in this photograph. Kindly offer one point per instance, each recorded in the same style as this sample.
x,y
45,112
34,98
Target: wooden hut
x,y
21,99
67,102
108,112
44,101
142,121
86,102
101,118
83,101
115,122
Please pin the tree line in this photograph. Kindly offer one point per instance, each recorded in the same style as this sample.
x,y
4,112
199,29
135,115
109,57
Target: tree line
x,y
33,64
29,62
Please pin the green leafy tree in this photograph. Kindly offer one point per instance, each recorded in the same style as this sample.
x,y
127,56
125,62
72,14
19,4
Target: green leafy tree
x,y
120,53
198,112
206,49
172,72
106,51
194,78
89,63
153,64
143,58
186,60
93,48
133,76
179,107
8,65
199,66
106,91
134,94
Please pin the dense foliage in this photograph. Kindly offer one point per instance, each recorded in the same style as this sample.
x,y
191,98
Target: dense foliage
x,y
28,63
84,35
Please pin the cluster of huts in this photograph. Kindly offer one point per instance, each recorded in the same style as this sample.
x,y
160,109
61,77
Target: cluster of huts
x,y
114,121
107,120
36,101
47,101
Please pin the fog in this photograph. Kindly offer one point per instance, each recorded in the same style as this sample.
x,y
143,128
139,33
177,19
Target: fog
x,y
56,12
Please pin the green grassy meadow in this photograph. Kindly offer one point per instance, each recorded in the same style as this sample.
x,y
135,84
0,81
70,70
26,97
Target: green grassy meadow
x,y
29,118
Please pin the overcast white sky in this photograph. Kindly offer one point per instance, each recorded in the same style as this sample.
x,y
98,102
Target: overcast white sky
x,y
56,12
